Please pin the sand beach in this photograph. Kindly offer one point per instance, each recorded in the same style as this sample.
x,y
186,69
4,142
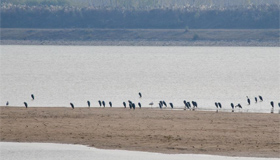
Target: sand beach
x,y
146,129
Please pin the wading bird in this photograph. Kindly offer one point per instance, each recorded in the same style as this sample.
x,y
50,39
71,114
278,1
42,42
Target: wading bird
x,y
99,103
103,103
110,103
32,96
140,95
216,104
88,103
232,107
171,105
248,100
124,104
7,103
256,99
220,105
272,104
72,105
160,105
139,104
164,103
194,104
239,105
261,98
25,104
151,104
133,106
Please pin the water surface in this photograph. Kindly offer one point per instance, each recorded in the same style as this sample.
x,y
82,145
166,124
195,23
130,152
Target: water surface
x,y
58,75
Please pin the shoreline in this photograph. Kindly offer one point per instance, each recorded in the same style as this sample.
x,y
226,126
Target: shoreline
x,y
143,43
151,130
140,37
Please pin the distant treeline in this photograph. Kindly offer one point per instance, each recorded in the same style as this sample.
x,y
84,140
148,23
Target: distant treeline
x,y
42,16
140,4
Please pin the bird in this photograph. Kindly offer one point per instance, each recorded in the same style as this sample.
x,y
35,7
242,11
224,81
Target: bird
x,y
220,105
164,103
272,104
261,98
194,104
72,105
32,96
186,105
239,105
140,95
99,103
189,104
279,104
248,100
232,107
110,103
133,106
124,104
171,105
130,106
151,104
7,103
160,105
129,101
216,104
139,104
25,104
88,103
103,103
256,99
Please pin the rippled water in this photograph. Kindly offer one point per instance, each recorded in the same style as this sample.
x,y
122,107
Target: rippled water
x,y
58,75
49,151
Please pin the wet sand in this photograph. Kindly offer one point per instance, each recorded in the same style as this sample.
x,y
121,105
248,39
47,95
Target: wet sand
x,y
152,130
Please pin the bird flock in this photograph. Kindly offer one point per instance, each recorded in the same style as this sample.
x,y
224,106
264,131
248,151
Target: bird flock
x,y
191,105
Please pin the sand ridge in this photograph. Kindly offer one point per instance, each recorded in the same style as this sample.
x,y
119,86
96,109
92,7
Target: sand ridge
x,y
153,130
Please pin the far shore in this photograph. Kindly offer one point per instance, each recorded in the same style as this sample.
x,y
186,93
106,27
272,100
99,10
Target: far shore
x,y
152,130
141,37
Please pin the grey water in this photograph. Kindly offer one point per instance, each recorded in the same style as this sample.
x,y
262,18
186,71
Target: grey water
x,y
49,151
58,75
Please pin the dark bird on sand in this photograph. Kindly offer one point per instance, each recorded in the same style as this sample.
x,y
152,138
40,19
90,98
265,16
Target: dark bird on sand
x,y
110,103
103,103
261,98
133,105
272,104
124,104
99,103
88,103
151,104
248,100
239,105
171,105
140,95
72,105
7,103
232,105
216,104
164,103
194,104
279,104
160,105
25,104
32,96
220,105
139,104
256,99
